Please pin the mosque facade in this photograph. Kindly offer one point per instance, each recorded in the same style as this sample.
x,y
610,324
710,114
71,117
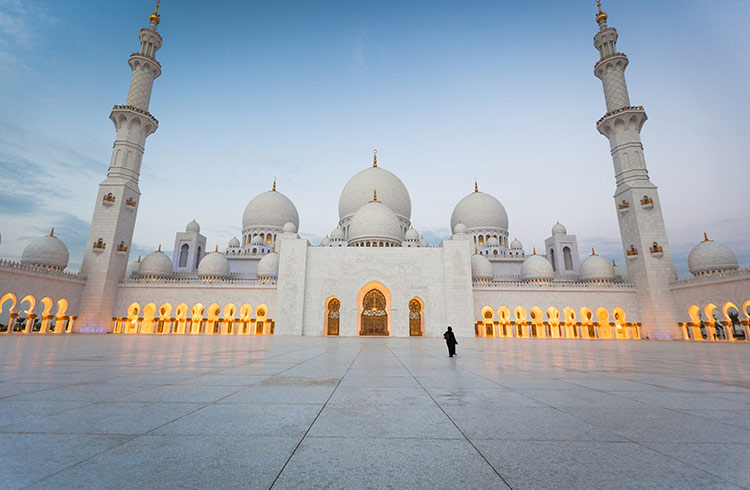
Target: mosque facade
x,y
374,274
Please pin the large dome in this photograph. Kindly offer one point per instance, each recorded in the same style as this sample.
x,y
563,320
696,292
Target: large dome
x,y
375,221
711,256
480,210
391,192
481,268
156,264
268,267
46,251
213,265
271,209
536,268
596,268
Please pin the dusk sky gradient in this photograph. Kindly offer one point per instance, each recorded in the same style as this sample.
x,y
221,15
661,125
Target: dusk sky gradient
x,y
446,91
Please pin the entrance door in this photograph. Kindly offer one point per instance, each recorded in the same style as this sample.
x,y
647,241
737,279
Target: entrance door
x,y
415,318
374,319
333,316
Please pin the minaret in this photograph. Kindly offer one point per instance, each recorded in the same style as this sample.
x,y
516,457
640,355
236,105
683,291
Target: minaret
x,y
644,237
111,233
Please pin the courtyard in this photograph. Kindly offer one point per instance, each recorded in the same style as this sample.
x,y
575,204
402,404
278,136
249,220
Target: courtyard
x,y
260,411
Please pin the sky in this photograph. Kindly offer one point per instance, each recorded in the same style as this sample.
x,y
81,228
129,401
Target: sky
x,y
447,91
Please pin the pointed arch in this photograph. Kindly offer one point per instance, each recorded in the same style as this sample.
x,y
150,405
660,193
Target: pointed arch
x,y
503,315
729,323
132,324
587,323
149,312
165,320
522,329
416,317
332,316
261,312
212,321
537,322
571,326
196,318
184,251
488,320
602,323
227,323
621,328
695,322
715,329
61,318
246,313
375,317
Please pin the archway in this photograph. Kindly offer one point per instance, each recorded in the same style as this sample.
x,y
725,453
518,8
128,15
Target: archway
x,y
7,304
227,324
522,329
246,312
571,327
537,322
416,318
602,324
553,317
374,304
132,325
260,319
333,315
61,317
488,321
732,321
26,323
165,323
46,316
587,324
149,312
503,314
180,314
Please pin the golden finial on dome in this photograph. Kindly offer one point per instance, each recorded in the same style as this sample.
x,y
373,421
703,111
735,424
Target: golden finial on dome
x,y
476,185
593,252
601,16
374,196
52,232
274,184
534,249
613,263
155,16
375,158
217,248
159,249
139,259
705,237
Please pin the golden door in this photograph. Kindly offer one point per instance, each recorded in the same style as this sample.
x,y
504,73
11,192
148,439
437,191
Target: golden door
x,y
415,318
334,307
374,320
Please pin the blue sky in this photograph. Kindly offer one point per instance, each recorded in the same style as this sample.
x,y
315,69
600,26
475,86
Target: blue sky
x,y
447,91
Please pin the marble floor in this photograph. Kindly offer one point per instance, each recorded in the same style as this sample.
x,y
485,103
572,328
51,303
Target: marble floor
x,y
261,412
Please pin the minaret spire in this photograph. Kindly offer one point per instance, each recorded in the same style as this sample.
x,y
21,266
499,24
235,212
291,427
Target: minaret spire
x,y
114,218
641,220
375,158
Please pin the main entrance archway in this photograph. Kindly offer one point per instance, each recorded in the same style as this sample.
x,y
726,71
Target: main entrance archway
x,y
374,318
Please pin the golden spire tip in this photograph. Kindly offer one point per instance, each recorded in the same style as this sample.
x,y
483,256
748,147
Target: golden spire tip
x,y
476,185
139,259
593,252
159,249
217,248
274,184
155,16
705,237
534,248
600,16
52,232
374,195
375,158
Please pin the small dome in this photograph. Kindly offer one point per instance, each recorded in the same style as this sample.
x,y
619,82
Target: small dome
x,y
536,268
375,221
710,256
133,269
411,235
516,244
257,240
358,192
337,233
559,229
234,242
493,242
156,264
47,251
423,242
459,229
620,273
480,210
268,267
325,241
596,268
270,209
214,265
481,267
289,227
193,226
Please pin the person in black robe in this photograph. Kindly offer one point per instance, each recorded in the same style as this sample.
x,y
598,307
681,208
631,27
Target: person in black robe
x,y
450,339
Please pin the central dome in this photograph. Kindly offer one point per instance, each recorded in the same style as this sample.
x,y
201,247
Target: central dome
x,y
391,192
271,209
479,210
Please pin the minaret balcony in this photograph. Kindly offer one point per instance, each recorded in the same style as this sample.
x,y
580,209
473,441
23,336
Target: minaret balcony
x,y
632,253
130,203
130,108
122,248
619,57
108,199
656,251
99,246
147,57
624,206
647,202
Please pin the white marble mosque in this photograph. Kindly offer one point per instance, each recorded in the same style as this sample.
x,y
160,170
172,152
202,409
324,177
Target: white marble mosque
x,y
374,274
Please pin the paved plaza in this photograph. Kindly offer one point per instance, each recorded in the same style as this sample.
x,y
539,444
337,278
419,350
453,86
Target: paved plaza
x,y
259,412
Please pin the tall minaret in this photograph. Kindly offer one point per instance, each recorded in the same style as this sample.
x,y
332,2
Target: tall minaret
x,y
116,206
637,205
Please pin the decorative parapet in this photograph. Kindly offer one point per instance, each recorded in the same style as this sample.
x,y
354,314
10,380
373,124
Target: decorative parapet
x,y
519,284
195,281
10,265
137,110
619,111
714,277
